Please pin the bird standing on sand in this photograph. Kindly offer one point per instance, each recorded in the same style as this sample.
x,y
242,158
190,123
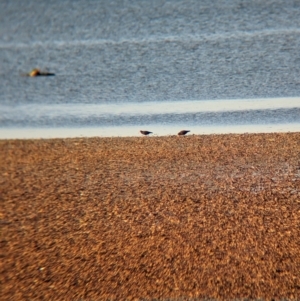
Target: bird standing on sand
x,y
146,133
183,132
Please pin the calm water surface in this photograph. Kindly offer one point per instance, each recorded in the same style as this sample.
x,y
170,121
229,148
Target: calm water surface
x,y
163,65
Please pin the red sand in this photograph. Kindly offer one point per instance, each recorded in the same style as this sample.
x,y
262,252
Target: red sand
x,y
171,218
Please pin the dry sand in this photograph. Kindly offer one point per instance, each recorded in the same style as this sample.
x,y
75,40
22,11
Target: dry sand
x,y
212,217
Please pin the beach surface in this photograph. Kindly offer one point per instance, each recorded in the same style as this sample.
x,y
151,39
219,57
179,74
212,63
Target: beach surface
x,y
201,217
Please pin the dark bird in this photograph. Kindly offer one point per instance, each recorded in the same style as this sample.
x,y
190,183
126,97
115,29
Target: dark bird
x,y
146,133
37,72
182,133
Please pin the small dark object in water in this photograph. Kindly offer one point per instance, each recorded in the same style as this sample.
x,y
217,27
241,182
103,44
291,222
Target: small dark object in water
x,y
145,133
37,72
182,133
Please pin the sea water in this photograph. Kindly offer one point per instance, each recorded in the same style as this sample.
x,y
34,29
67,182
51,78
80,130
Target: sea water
x,y
164,66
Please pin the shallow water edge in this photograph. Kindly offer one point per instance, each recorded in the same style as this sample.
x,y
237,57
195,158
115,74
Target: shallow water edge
x,y
134,131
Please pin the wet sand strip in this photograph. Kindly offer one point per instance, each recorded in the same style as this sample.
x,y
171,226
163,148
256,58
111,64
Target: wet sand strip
x,y
211,217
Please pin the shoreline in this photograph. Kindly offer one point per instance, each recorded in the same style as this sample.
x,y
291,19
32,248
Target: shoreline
x,y
134,131
200,217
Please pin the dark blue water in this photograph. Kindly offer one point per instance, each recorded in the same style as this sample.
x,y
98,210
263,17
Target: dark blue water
x,y
158,52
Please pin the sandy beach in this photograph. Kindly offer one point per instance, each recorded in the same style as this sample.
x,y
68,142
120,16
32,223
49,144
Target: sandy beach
x,y
201,217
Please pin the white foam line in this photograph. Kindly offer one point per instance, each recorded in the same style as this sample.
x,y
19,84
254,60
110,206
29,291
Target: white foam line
x,y
33,111
154,39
